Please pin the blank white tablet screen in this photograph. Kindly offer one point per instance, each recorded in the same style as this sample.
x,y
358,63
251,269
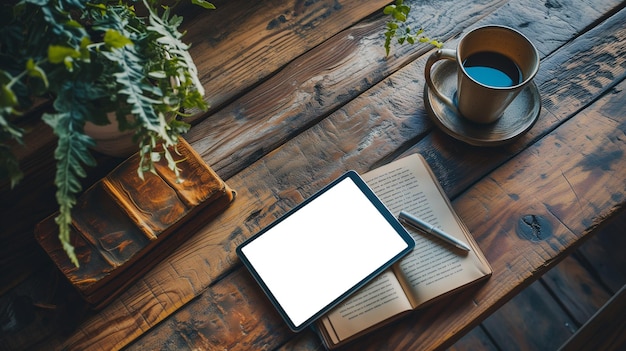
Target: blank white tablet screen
x,y
324,249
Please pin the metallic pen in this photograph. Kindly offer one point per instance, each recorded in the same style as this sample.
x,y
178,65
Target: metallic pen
x,y
429,228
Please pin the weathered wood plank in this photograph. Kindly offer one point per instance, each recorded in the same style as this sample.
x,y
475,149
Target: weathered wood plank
x,y
123,225
605,331
248,42
533,319
558,160
299,170
316,84
576,288
557,175
607,262
490,192
476,339
189,270
218,327
36,208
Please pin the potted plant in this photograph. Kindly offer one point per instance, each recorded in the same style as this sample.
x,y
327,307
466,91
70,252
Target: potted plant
x,y
99,62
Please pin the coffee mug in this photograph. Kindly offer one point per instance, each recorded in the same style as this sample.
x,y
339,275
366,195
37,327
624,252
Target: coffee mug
x,y
494,63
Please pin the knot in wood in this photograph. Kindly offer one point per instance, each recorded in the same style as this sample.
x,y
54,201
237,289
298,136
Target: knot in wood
x,y
534,228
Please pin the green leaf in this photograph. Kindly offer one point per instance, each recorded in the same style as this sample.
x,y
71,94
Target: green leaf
x,y
204,4
171,39
389,9
59,54
101,7
71,154
157,74
34,70
84,48
139,95
115,39
73,23
9,130
399,16
404,9
7,96
38,2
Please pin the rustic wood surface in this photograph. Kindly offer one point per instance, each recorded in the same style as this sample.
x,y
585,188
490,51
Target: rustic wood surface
x,y
301,91
606,330
545,188
581,284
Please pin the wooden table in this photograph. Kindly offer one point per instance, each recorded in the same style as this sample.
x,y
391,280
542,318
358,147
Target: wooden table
x,y
301,91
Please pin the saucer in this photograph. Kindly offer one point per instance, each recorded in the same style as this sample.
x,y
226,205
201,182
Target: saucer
x,y
517,119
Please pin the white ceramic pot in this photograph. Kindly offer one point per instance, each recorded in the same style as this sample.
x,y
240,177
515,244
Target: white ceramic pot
x,y
110,140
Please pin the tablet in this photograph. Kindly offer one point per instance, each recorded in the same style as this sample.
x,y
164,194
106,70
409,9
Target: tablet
x,y
324,249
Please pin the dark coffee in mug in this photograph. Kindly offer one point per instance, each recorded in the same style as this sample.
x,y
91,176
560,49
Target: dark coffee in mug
x,y
493,69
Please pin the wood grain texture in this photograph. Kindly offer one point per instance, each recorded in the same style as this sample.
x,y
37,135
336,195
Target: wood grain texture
x,y
314,85
380,123
532,331
245,44
251,219
609,264
476,339
576,289
290,173
605,330
234,307
231,61
574,284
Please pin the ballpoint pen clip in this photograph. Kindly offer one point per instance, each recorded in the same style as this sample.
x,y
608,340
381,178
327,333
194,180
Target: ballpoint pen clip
x,y
431,229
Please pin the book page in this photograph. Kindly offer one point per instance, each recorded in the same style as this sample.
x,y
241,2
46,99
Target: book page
x,y
377,301
434,267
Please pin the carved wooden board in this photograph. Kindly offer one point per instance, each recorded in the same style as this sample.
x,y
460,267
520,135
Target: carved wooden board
x,y
123,225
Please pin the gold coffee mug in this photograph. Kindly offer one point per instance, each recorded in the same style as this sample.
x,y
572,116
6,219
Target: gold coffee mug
x,y
494,63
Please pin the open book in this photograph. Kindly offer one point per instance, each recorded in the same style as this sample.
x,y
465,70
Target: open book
x,y
433,269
